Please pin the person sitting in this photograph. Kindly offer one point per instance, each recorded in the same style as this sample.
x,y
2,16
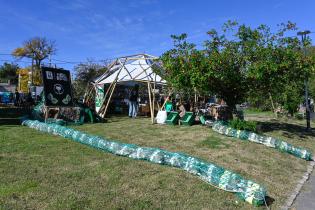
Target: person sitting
x,y
182,110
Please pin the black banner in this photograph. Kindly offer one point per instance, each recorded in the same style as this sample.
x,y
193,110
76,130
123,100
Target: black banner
x,y
57,87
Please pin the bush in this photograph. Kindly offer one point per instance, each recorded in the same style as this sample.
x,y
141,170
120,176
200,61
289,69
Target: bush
x,y
299,116
243,125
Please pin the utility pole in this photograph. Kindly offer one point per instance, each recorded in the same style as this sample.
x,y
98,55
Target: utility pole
x,y
32,76
303,35
49,60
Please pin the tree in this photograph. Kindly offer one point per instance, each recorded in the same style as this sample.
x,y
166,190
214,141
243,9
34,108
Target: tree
x,y
292,97
214,70
84,74
37,48
255,61
23,79
226,68
8,71
279,67
311,53
184,68
312,86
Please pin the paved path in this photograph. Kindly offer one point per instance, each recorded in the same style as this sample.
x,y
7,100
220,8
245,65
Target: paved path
x,y
306,199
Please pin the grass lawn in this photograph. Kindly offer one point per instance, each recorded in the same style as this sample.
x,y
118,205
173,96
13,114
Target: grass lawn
x,y
41,171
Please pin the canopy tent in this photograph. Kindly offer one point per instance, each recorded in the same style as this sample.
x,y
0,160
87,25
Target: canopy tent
x,y
128,70
132,68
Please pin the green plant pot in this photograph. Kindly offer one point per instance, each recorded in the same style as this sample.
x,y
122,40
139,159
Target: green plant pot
x,y
188,119
172,118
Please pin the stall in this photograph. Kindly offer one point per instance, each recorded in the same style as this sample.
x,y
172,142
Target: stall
x,y
126,71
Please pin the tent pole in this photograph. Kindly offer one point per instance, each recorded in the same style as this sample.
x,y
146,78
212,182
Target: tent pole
x,y
169,94
125,68
90,90
102,107
87,92
144,70
89,97
149,91
113,88
110,96
152,99
108,69
154,93
104,99
109,89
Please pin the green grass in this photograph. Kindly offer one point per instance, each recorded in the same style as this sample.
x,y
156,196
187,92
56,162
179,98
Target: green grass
x,y
42,171
253,111
214,143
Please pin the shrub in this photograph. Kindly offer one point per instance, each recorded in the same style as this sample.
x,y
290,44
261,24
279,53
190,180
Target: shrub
x,y
299,116
243,125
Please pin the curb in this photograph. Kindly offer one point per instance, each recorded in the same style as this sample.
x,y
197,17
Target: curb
x,y
301,182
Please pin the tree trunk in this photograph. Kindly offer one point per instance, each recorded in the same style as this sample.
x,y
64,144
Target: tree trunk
x,y
272,104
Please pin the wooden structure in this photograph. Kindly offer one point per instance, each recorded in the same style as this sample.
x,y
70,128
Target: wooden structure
x,y
140,68
47,111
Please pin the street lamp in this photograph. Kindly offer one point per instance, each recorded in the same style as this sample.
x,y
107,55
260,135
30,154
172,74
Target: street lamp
x,y
303,35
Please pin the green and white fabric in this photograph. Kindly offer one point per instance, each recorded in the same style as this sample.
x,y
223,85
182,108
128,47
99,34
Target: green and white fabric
x,y
99,97
283,146
209,172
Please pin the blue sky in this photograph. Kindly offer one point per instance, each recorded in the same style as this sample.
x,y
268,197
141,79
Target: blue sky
x,y
110,28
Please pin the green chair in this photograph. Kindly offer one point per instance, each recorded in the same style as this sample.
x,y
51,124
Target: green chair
x,y
89,114
172,118
188,119
202,119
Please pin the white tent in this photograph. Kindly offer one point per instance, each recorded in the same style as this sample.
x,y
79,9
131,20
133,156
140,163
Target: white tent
x,y
128,69
132,68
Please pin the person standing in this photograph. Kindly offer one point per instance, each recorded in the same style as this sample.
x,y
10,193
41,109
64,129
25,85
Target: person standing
x,y
29,100
133,101
11,100
17,98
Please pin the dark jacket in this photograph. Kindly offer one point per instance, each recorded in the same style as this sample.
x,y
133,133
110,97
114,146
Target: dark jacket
x,y
133,95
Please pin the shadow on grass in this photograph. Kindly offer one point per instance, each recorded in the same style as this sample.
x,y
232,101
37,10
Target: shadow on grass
x,y
10,121
289,130
120,117
214,143
12,115
269,200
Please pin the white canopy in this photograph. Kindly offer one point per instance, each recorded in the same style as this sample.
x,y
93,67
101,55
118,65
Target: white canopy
x,y
137,68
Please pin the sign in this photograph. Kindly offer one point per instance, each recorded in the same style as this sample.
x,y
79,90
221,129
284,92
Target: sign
x,y
57,87
99,98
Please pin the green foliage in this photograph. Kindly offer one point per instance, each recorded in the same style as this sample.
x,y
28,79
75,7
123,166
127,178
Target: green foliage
x,y
259,101
256,63
8,71
311,83
84,74
253,110
37,48
243,125
292,97
183,64
257,111
299,116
